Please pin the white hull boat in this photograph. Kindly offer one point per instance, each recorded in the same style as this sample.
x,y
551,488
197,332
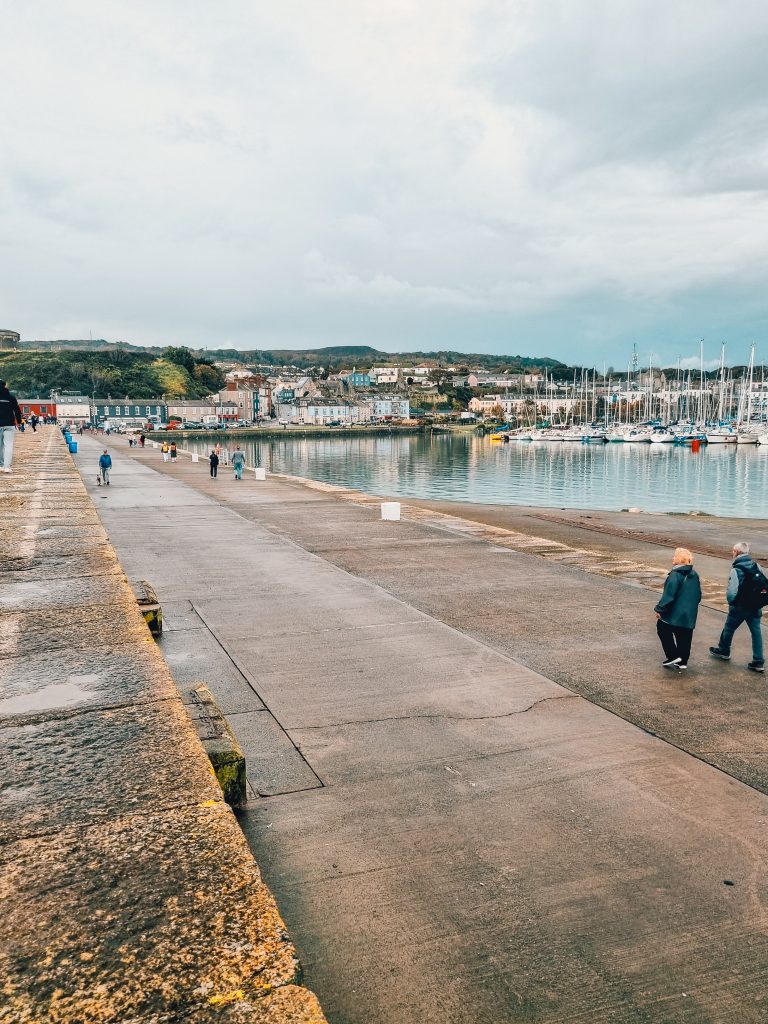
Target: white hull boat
x,y
662,437
725,435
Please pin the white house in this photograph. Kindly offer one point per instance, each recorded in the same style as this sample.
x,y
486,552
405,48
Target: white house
x,y
73,409
320,411
388,407
385,374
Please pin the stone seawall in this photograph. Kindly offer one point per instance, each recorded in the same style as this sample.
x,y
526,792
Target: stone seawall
x,y
128,890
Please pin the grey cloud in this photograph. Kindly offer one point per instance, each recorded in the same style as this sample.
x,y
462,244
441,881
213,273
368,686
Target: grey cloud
x,y
545,177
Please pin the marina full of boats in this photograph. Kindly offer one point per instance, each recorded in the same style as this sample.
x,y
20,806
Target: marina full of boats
x,y
647,433
681,411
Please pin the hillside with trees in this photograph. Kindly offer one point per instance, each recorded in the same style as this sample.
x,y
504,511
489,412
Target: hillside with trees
x,y
332,357
118,373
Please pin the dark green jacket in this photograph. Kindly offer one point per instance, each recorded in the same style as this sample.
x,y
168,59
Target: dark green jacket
x,y
679,604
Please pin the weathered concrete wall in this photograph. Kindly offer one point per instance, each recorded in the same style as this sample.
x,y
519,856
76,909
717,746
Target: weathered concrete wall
x,y
128,891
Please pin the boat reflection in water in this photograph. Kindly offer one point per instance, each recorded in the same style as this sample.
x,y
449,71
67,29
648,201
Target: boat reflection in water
x,y
721,479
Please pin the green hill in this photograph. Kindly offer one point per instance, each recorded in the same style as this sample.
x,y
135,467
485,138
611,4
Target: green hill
x,y
331,357
117,372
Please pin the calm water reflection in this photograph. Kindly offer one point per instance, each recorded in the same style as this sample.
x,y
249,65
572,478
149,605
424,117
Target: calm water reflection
x,y
726,480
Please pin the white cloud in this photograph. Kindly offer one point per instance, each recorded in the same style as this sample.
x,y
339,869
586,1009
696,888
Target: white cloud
x,y
560,177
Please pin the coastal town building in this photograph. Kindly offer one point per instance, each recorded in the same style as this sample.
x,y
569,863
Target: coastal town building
x,y
9,340
387,407
357,379
72,408
244,396
385,374
44,408
208,410
490,405
320,411
128,412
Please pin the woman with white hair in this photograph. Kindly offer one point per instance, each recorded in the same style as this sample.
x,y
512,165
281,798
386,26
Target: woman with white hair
x,y
677,610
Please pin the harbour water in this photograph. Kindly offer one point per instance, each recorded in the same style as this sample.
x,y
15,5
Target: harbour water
x,y
724,480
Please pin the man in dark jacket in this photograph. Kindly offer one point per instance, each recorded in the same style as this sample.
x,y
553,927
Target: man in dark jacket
x,y
740,611
10,418
678,609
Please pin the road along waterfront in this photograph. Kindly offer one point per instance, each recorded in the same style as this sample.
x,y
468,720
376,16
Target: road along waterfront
x,y
726,480
453,831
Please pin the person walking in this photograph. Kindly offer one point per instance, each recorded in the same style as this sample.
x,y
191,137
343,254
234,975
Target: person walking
x,y
174,451
166,450
10,418
33,423
105,464
677,610
747,595
213,458
238,463
142,440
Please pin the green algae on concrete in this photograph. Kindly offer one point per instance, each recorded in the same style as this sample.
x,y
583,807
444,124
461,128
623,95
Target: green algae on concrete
x,y
219,742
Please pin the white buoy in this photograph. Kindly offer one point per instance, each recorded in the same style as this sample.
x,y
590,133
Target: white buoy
x,y
260,473
390,510
195,458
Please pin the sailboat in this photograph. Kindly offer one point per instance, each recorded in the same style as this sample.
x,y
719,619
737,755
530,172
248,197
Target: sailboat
x,y
661,436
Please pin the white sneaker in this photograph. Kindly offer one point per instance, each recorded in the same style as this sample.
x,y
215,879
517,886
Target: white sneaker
x,y
6,469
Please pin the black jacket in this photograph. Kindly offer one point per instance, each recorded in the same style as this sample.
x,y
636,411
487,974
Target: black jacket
x,y
10,413
679,604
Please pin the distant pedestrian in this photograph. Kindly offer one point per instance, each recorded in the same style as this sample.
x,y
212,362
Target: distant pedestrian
x,y
238,463
33,421
142,441
677,610
166,450
10,418
213,458
747,595
173,451
105,464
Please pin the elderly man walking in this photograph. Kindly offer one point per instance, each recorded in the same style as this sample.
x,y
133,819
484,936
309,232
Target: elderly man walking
x,y
10,418
747,595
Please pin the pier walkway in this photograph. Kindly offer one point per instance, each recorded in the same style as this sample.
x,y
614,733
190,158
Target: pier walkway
x,y
454,828
127,890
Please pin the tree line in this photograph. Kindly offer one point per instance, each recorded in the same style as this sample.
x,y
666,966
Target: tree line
x,y
117,373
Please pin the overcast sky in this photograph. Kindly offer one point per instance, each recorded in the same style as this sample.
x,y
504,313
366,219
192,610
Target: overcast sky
x,y
538,177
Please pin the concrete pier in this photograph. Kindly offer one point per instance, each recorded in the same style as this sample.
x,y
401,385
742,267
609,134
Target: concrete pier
x,y
127,890
457,796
